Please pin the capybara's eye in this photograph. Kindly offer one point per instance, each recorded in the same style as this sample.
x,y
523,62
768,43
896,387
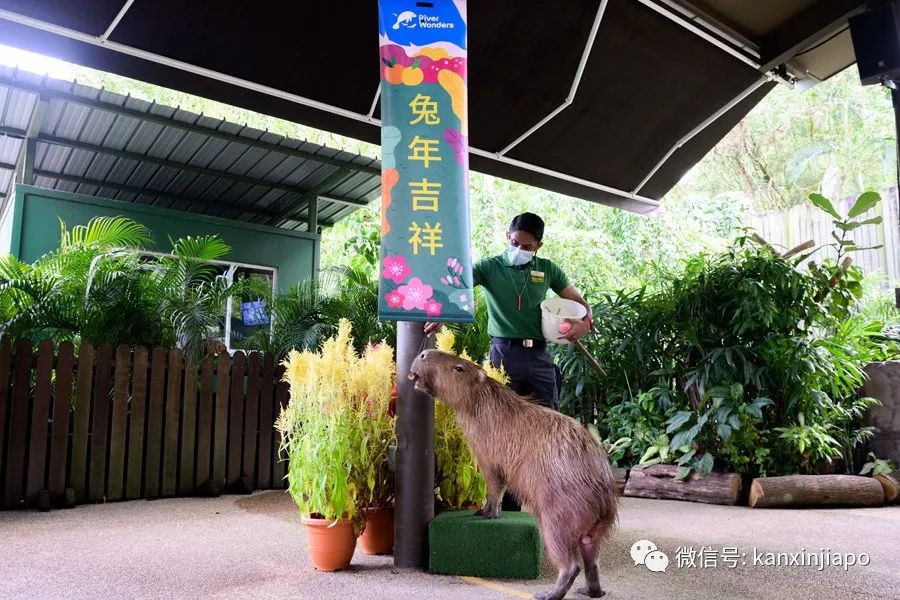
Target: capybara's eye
x,y
458,368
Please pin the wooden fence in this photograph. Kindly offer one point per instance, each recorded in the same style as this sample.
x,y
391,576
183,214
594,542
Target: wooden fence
x,y
123,423
806,222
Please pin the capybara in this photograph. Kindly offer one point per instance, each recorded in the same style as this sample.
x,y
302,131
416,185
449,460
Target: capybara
x,y
548,461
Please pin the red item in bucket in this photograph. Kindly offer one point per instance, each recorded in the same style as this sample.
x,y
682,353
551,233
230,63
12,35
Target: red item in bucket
x,y
565,327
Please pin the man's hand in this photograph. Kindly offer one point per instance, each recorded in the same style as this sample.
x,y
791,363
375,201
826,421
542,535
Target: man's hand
x,y
580,328
432,328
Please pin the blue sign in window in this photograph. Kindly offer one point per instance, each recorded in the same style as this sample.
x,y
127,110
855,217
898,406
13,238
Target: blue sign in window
x,y
254,313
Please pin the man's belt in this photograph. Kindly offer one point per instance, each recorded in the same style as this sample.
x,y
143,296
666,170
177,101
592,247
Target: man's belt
x,y
525,343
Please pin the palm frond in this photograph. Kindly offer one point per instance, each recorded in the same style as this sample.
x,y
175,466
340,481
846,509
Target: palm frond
x,y
106,232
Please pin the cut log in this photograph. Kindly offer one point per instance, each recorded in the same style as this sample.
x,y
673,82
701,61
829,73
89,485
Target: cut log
x,y
816,490
659,481
621,475
890,483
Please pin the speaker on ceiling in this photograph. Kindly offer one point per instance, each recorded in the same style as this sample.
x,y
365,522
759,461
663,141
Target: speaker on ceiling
x,y
876,42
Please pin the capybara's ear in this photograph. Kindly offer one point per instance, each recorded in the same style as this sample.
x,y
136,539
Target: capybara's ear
x,y
482,376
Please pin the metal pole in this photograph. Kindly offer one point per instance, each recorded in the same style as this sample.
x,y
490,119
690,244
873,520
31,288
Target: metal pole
x,y
415,456
895,100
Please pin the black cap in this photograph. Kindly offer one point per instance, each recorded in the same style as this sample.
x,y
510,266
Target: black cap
x,y
529,222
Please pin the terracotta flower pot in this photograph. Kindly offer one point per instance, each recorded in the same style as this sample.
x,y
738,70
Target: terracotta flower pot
x,y
330,548
378,536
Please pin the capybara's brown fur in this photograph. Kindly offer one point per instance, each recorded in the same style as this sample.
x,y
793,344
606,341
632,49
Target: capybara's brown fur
x,y
548,461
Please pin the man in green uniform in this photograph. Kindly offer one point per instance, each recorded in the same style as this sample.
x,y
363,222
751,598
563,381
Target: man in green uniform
x,y
515,284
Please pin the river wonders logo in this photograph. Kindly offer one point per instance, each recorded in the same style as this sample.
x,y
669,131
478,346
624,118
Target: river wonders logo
x,y
434,22
407,19
410,20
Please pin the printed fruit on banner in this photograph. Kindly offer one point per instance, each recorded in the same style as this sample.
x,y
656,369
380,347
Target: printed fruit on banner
x,y
413,75
456,65
456,88
432,53
393,71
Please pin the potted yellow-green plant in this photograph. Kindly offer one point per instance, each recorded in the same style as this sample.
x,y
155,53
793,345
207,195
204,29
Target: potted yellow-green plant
x,y
459,483
335,432
374,384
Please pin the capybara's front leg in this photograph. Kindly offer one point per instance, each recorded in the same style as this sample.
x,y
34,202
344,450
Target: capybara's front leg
x,y
563,583
496,487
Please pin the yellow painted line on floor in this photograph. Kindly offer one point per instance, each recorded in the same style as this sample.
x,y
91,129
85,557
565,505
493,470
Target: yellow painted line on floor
x,y
497,587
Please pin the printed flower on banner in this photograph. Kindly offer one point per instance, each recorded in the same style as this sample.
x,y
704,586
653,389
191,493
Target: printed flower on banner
x,y
458,142
394,299
464,299
454,270
415,294
395,268
433,308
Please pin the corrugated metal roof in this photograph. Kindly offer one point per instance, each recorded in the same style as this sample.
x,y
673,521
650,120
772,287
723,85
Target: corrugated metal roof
x,y
99,143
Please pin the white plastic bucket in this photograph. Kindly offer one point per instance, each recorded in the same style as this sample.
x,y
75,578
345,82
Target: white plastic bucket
x,y
554,312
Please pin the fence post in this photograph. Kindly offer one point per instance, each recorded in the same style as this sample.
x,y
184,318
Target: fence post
x,y
99,425
137,420
81,416
18,421
236,418
119,424
204,423
62,409
40,416
5,354
266,423
188,430
155,423
172,410
251,419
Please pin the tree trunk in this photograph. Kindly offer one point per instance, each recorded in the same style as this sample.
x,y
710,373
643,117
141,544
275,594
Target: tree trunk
x,y
816,490
620,474
890,483
658,481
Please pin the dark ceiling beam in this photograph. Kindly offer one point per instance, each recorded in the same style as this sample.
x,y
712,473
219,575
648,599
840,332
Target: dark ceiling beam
x,y
331,181
28,150
12,132
151,192
300,194
171,164
715,21
804,29
170,122
344,201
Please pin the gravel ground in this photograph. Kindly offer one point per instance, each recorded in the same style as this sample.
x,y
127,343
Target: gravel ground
x,y
254,547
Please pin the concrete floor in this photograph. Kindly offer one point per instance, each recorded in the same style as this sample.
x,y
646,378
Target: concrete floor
x,y
254,547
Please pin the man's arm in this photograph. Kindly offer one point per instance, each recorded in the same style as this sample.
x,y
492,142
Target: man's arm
x,y
579,328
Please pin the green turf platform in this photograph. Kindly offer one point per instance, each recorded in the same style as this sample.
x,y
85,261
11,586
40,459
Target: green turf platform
x,y
460,543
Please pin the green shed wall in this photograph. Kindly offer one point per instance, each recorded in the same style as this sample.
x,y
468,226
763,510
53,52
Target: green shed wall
x,y
32,229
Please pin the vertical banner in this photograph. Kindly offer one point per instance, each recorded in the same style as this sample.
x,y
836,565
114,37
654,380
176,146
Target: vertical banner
x,y
426,265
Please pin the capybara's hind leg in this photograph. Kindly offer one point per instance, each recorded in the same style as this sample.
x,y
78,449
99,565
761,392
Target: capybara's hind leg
x,y
591,575
496,488
563,582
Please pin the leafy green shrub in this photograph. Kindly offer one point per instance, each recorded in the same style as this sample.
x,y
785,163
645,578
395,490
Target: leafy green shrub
x,y
98,288
742,361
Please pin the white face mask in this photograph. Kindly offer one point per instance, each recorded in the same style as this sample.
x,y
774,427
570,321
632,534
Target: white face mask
x,y
518,257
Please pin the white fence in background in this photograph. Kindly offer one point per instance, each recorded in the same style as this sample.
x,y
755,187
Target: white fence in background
x,y
806,222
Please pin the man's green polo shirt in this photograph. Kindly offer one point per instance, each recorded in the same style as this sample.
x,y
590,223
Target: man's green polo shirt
x,y
502,284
